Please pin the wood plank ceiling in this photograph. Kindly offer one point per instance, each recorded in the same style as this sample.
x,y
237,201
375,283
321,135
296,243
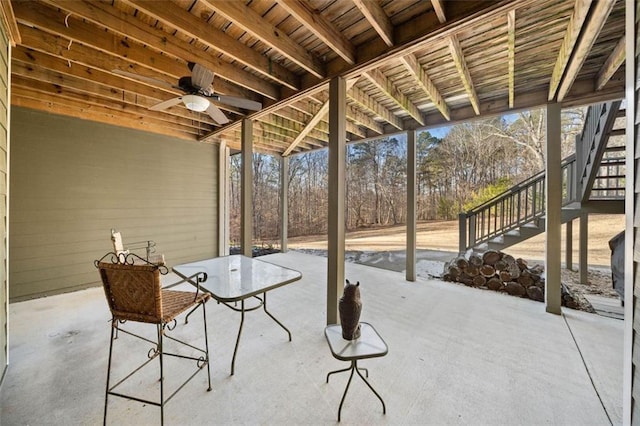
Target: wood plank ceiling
x,y
408,63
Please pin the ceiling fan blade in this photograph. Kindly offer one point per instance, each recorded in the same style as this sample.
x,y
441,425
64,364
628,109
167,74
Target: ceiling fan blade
x,y
238,102
201,77
154,81
217,114
166,104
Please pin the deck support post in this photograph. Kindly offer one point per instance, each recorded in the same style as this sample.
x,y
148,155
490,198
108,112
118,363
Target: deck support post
x,y
246,178
336,204
284,203
583,260
223,199
411,206
553,206
568,250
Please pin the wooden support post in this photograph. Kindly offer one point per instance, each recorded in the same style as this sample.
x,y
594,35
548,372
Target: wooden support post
x,y
568,250
336,204
411,206
284,203
630,383
223,200
462,233
583,260
553,205
246,202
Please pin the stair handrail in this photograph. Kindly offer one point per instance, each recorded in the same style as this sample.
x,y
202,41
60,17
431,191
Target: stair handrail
x,y
592,143
478,225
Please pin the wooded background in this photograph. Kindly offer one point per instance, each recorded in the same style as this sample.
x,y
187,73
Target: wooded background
x,y
470,164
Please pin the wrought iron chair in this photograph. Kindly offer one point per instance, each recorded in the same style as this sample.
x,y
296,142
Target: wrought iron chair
x,y
149,246
133,291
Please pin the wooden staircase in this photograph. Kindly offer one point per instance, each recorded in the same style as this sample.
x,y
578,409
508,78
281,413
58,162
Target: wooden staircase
x,y
592,181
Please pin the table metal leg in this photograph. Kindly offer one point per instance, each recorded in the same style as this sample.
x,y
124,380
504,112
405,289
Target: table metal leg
x,y
235,350
337,371
346,369
354,368
264,306
344,395
384,408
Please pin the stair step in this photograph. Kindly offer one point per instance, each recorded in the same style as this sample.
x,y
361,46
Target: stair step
x,y
617,132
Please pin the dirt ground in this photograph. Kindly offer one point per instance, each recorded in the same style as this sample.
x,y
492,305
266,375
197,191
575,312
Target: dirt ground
x,y
443,236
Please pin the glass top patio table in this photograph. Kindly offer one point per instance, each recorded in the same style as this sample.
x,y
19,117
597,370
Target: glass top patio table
x,y
236,277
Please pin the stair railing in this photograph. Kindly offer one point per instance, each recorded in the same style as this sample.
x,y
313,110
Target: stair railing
x,y
591,144
513,208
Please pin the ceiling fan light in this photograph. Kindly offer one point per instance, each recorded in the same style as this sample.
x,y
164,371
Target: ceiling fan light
x,y
195,103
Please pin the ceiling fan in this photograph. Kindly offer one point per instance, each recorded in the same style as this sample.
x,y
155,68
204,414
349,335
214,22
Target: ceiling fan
x,y
198,93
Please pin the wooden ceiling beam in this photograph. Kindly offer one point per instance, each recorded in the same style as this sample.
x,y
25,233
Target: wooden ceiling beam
x,y
389,89
581,94
129,26
31,13
8,20
36,59
316,119
84,60
322,28
364,120
367,102
75,108
289,134
511,47
247,19
422,79
438,8
580,12
611,65
219,41
96,87
324,109
377,18
463,72
32,88
590,31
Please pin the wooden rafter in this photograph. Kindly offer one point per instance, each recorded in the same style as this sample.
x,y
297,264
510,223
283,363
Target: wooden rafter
x,y
422,79
373,106
219,41
389,89
362,119
438,7
103,85
611,65
322,28
103,43
511,36
9,23
310,126
104,15
463,71
379,20
580,11
247,19
598,16
313,122
34,60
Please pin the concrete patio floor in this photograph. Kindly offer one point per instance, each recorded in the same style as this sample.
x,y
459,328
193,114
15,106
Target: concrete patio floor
x,y
457,355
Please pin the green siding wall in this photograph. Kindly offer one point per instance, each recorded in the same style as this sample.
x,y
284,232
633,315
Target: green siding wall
x,y
74,180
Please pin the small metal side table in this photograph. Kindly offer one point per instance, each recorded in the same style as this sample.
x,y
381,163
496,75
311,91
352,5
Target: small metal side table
x,y
368,345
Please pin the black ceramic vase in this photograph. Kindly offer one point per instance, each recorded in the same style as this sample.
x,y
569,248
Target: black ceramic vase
x,y
350,307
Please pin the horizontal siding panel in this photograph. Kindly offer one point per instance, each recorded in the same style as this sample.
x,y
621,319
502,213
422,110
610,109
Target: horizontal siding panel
x,y
74,180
